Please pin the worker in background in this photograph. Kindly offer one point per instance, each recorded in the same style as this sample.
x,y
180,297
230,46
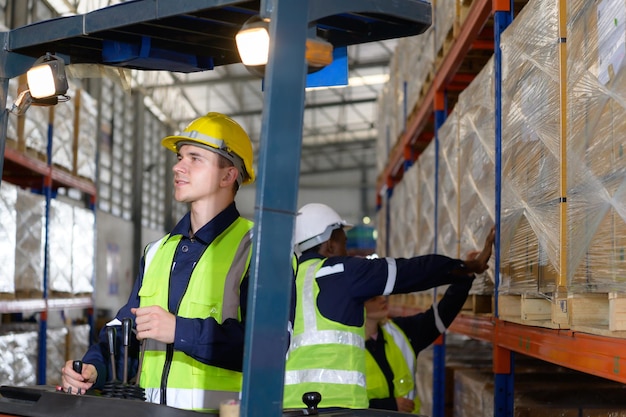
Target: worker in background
x,y
327,351
189,300
393,345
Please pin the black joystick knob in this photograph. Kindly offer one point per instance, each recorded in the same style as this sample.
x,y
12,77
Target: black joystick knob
x,y
311,399
77,366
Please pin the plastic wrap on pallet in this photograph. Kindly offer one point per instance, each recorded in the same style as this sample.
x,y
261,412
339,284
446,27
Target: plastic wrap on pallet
x,y
79,340
411,235
448,201
56,347
385,139
396,220
8,221
426,209
18,362
36,126
596,159
59,247
530,151
30,243
83,248
63,133
402,218
476,169
420,63
396,82
444,14
86,136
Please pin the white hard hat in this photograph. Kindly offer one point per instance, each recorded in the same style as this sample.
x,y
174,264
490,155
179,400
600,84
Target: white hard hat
x,y
314,224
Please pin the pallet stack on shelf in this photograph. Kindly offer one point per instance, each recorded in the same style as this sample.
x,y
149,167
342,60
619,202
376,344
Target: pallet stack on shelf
x,y
49,239
536,142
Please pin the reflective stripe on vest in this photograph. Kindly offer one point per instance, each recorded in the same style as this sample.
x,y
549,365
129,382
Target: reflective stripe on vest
x,y
324,356
193,384
401,358
207,399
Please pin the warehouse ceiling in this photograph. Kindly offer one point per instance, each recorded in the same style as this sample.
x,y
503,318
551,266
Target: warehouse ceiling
x,y
339,132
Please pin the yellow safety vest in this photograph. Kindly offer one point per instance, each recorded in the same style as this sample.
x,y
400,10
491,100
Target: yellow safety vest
x,y
213,291
324,356
401,358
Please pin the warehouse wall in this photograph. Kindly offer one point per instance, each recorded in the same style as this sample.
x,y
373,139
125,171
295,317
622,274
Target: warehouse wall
x,y
335,190
114,261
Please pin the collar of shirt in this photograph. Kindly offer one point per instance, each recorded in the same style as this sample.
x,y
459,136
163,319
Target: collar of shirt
x,y
207,233
306,256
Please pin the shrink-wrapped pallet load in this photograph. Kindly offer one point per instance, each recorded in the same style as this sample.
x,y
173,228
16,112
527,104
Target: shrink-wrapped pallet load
x,y
448,183
83,251
596,162
8,221
530,151
426,198
86,136
477,170
30,244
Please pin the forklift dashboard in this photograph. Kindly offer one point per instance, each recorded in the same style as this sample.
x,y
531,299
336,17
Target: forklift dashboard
x,y
45,401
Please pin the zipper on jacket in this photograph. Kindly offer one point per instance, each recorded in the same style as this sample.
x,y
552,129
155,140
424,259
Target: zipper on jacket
x,y
169,353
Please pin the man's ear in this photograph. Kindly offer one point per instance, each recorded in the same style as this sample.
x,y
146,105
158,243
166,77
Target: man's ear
x,y
332,246
231,175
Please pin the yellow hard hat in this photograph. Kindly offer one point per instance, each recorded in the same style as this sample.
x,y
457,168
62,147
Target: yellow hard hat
x,y
218,133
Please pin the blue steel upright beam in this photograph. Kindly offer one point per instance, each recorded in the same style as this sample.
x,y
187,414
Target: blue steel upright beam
x,y
276,199
439,347
503,358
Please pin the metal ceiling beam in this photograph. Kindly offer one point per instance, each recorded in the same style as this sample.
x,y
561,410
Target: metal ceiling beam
x,y
250,77
339,156
255,112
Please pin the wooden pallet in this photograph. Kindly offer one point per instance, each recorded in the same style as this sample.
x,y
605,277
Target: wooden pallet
x,y
462,10
598,313
533,310
478,304
7,296
28,294
423,300
445,48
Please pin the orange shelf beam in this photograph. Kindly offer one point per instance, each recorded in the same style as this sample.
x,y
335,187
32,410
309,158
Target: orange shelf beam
x,y
58,177
476,327
597,355
601,356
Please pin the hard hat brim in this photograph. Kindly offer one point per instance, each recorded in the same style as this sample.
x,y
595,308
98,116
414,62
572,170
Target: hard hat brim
x,y
171,142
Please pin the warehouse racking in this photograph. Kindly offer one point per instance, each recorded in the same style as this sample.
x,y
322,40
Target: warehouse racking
x,y
38,173
79,38
599,354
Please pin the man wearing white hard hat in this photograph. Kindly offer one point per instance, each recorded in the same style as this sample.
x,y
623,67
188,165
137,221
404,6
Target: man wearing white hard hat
x,y
327,351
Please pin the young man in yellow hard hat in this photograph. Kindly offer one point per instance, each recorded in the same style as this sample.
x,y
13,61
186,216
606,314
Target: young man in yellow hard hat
x,y
327,352
189,300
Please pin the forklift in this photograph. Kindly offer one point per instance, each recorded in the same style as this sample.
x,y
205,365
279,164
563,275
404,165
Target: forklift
x,y
147,35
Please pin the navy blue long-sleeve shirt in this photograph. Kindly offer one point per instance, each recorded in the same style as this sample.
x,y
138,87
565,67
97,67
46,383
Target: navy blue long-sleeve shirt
x,y
206,340
421,330
343,294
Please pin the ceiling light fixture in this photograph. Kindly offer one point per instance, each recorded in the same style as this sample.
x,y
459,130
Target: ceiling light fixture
x,y
253,41
253,44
